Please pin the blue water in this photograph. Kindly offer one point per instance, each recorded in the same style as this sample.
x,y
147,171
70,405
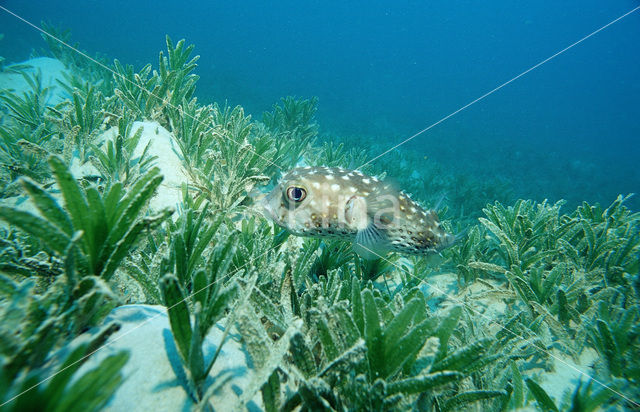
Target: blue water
x,y
568,129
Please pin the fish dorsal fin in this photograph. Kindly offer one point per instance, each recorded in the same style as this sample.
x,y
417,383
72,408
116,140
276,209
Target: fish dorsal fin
x,y
371,243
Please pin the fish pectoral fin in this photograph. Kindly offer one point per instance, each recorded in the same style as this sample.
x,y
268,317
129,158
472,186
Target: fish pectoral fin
x,y
371,243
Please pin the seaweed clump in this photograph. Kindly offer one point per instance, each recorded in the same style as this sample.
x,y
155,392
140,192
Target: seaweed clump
x,y
83,246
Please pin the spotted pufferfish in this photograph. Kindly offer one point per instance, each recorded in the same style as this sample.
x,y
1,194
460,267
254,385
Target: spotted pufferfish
x,y
330,202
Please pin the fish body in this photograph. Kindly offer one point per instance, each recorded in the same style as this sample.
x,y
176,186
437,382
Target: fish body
x,y
331,202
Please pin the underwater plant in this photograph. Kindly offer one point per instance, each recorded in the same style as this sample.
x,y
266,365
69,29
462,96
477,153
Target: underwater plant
x,y
361,352
81,119
206,306
583,398
615,335
39,314
591,238
115,159
466,255
29,108
144,265
22,153
372,269
527,231
407,352
156,95
293,126
333,154
175,70
194,132
109,223
559,266
136,91
233,166
333,255
609,241
28,133
177,247
188,237
259,243
28,385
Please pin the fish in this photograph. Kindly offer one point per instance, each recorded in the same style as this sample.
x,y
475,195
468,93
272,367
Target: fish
x,y
331,202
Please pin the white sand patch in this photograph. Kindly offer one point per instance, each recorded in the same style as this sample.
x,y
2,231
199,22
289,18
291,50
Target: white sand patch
x,y
567,373
50,69
164,147
154,379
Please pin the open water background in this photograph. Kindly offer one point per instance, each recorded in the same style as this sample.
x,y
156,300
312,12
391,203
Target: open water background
x,y
384,70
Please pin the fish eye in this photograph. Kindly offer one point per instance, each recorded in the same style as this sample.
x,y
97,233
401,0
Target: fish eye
x,y
296,194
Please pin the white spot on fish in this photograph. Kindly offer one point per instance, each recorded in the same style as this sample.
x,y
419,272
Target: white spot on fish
x,y
335,187
329,177
345,178
413,210
352,189
366,181
315,185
